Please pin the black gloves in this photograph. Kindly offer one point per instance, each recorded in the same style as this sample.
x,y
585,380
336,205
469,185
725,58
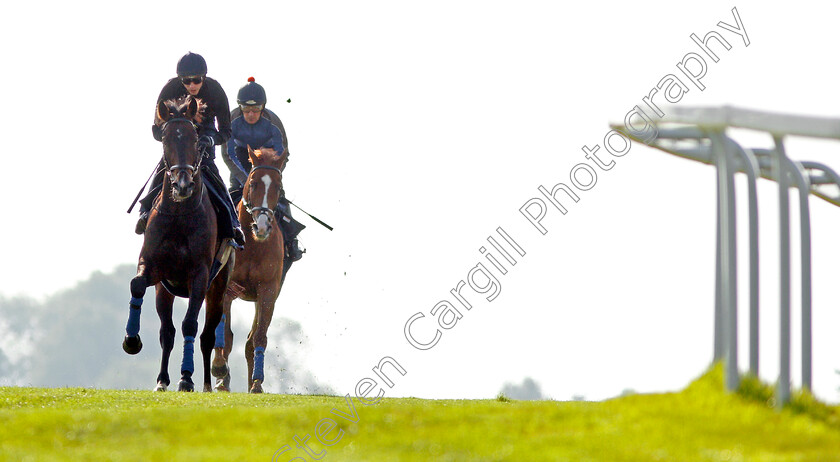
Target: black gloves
x,y
206,141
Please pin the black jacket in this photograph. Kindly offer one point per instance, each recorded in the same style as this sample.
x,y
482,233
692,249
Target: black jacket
x,y
217,116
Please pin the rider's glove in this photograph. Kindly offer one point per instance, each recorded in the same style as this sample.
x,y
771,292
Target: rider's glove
x,y
206,141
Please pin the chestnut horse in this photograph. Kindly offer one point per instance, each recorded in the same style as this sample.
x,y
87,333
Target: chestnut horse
x,y
180,245
259,272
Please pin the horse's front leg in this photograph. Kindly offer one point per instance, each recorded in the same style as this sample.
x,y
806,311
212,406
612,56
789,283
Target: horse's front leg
x,y
132,344
266,299
189,327
222,347
163,303
249,348
213,328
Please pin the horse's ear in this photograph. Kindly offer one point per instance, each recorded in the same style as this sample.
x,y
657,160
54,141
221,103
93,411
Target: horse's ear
x,y
192,109
251,155
163,111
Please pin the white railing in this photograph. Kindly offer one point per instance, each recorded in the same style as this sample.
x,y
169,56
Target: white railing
x,y
699,133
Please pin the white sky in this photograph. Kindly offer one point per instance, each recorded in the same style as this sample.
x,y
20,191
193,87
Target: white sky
x,y
416,130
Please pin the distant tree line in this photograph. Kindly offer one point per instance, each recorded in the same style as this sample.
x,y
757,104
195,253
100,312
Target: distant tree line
x,y
528,390
74,338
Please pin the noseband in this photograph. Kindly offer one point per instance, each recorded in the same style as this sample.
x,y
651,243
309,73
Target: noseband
x,y
260,209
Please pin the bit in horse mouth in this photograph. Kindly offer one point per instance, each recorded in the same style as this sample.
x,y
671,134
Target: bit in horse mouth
x,y
177,196
258,236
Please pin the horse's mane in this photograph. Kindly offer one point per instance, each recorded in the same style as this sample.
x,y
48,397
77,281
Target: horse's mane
x,y
180,104
266,158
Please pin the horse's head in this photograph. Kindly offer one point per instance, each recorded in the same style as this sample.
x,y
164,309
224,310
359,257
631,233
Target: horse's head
x,y
263,188
176,119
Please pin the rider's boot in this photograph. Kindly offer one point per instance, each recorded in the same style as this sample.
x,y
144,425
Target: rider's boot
x,y
291,228
140,227
239,237
293,250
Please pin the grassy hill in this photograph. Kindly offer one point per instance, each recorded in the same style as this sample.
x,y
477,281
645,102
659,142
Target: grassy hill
x,y
700,423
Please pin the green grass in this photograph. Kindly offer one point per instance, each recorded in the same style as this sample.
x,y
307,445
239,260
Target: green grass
x,y
700,423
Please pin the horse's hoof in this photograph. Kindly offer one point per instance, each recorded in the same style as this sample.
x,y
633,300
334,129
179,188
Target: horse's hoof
x,y
222,384
132,345
208,388
160,386
256,387
186,385
219,371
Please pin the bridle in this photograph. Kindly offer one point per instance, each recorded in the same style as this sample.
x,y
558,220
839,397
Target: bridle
x,y
247,200
173,168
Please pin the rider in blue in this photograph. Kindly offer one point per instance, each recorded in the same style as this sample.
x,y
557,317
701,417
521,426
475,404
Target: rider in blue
x,y
255,126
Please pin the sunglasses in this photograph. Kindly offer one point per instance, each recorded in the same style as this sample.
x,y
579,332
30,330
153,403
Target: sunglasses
x,y
193,80
251,108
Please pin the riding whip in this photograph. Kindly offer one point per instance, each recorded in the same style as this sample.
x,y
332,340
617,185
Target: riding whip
x,y
312,216
142,189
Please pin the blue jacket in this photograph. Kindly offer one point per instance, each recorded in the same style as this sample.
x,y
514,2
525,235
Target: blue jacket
x,y
262,134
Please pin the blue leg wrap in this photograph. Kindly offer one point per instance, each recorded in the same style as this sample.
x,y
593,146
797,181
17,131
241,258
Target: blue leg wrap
x,y
259,361
136,301
189,349
132,328
220,334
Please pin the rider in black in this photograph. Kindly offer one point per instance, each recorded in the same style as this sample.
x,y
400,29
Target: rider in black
x,y
255,126
214,129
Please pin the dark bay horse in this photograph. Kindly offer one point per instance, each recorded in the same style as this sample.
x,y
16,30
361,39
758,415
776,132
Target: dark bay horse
x,y
259,272
180,245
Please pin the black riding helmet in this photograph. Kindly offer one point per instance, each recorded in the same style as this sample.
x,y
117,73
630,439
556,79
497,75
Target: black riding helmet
x,y
191,64
251,94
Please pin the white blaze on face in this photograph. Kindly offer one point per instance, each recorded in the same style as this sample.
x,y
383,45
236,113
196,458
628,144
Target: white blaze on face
x,y
262,224
267,182
262,220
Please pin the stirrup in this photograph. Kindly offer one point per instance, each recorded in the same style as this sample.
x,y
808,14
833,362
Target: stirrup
x,y
231,242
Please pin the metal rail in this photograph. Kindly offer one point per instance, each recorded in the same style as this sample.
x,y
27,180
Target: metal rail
x,y
699,134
